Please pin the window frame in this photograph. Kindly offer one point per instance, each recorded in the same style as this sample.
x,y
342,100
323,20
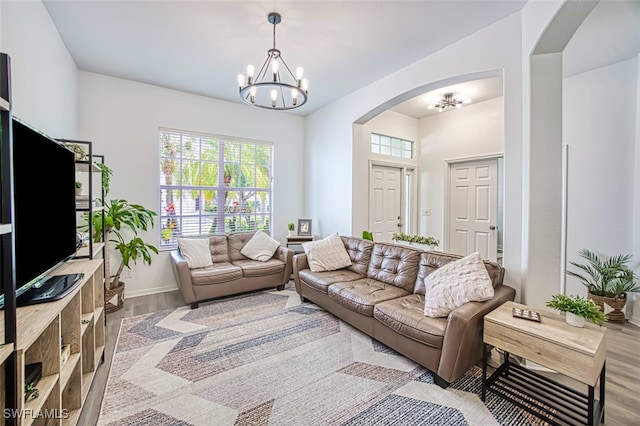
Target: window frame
x,y
189,208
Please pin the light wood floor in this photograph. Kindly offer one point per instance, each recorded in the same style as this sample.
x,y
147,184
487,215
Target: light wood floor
x,y
622,407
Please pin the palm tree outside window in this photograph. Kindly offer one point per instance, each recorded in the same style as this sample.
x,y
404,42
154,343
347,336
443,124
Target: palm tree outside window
x,y
212,184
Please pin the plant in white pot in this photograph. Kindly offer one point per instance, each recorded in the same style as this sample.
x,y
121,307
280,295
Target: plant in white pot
x,y
291,226
428,243
577,309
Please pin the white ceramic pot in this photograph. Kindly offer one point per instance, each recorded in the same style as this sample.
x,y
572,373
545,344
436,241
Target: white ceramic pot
x,y
574,320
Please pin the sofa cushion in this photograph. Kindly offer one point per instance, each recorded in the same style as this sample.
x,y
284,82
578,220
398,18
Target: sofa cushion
x,y
362,295
359,250
405,315
258,268
430,261
456,283
327,254
236,241
260,247
322,280
220,272
195,251
395,265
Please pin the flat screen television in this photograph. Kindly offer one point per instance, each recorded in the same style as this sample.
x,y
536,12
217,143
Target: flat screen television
x,y
44,214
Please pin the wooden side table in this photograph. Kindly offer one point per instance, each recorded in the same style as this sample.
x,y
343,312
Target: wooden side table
x,y
578,353
296,240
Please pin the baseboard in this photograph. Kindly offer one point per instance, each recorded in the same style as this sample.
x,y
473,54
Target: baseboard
x,y
136,293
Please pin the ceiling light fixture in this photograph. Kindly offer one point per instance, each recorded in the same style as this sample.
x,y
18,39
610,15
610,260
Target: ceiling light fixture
x,y
449,101
270,89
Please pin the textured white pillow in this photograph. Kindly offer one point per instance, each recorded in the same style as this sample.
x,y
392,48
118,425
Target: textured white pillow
x,y
456,283
196,251
260,247
327,254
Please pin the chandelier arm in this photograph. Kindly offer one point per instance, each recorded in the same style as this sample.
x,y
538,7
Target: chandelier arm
x,y
288,69
263,70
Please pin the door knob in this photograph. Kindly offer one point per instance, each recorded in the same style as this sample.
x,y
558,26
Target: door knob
x,y
492,227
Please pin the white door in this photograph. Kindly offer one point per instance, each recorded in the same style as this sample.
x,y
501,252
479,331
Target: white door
x,y
473,208
385,198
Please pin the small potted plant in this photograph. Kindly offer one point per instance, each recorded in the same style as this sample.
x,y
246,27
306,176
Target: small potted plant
x,y
577,309
291,227
78,188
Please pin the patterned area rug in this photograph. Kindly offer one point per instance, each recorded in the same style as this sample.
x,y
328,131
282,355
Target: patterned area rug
x,y
267,359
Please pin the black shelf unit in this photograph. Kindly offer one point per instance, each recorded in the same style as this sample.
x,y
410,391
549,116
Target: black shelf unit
x,y
87,165
8,359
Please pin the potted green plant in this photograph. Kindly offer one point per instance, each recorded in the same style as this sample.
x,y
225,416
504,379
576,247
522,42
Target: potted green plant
x,y
291,226
78,188
577,309
122,221
431,242
607,279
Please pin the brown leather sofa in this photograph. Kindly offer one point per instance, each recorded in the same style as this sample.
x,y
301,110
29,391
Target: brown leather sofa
x,y
383,294
231,272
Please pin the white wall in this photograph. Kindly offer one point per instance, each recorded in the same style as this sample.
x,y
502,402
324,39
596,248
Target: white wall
x,y
600,130
44,76
474,130
122,118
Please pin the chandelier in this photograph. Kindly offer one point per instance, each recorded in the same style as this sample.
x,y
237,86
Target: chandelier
x,y
449,101
275,86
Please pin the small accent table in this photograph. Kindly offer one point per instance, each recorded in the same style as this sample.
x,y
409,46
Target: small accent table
x,y
578,353
296,240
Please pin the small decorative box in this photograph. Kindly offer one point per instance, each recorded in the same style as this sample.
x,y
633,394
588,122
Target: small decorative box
x,y
526,314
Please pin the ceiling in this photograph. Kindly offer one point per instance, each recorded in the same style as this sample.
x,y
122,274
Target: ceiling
x,y
200,46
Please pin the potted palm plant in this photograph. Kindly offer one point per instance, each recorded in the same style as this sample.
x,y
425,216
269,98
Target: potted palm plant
x,y
608,280
121,223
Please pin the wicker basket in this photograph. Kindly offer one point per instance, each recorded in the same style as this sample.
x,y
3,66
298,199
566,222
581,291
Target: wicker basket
x,y
616,303
114,298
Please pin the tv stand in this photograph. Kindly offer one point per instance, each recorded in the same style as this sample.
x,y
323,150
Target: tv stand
x,y
51,288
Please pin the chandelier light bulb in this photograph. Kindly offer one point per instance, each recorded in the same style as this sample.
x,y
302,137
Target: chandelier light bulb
x,y
299,73
252,94
274,69
305,84
294,96
250,70
274,97
241,80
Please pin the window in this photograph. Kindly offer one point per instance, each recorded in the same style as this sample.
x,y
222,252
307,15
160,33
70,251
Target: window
x,y
212,184
394,147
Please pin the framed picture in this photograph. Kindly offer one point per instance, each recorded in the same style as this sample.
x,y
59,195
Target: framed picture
x,y
304,227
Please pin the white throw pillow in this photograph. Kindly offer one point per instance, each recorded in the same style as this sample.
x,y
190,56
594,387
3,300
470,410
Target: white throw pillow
x,y
327,254
196,251
456,283
260,247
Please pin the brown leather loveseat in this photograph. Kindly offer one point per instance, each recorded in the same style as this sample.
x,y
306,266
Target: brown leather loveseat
x,y
383,294
230,272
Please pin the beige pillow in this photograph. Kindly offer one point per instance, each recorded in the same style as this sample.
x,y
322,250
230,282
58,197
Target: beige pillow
x,y
456,283
327,254
196,251
260,247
